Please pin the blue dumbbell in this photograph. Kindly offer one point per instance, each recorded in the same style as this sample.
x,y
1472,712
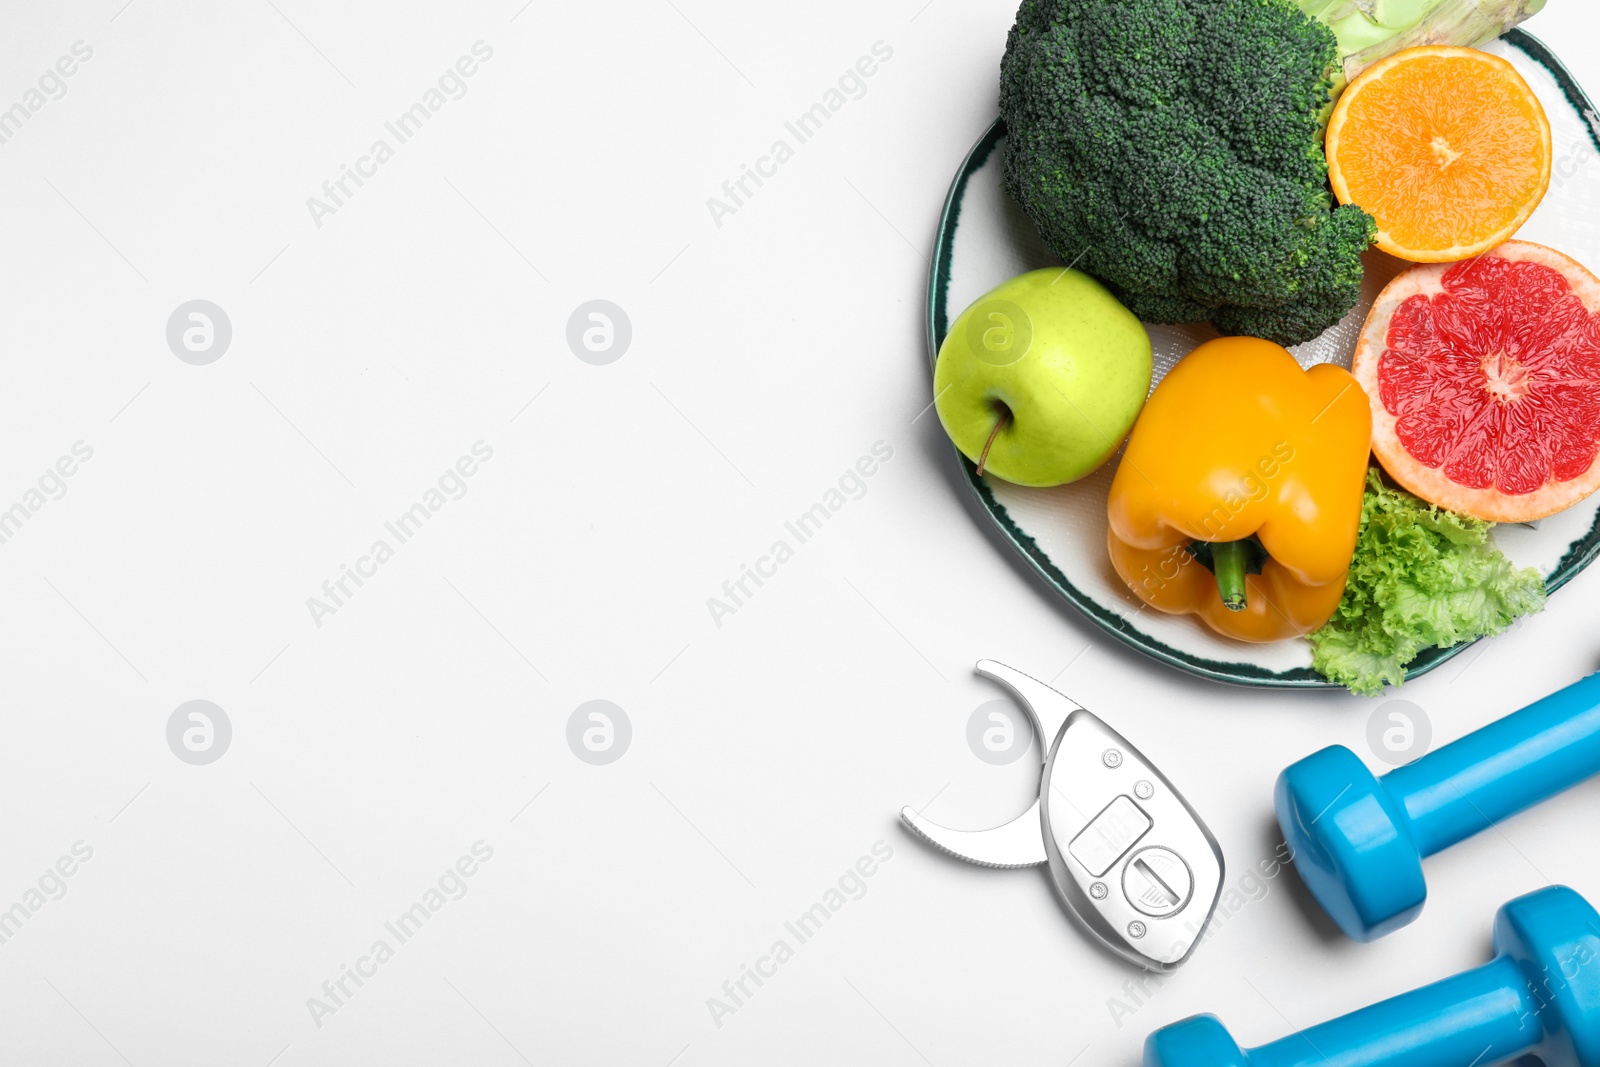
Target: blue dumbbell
x,y
1358,841
1539,995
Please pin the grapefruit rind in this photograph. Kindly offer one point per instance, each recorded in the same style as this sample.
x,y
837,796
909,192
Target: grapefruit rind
x,y
1386,241
1432,484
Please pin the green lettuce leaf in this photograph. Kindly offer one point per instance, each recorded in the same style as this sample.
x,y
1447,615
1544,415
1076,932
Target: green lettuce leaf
x,y
1420,577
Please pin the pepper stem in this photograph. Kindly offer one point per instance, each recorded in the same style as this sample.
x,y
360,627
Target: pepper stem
x,y
1228,562
1000,424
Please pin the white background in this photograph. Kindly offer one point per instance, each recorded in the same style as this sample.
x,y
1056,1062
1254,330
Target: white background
x,y
371,752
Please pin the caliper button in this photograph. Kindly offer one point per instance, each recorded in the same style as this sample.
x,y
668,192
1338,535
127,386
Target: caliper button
x,y
1157,882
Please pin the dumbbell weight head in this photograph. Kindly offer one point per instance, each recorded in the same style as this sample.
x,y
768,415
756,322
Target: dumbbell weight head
x,y
1198,1041
1350,843
1554,935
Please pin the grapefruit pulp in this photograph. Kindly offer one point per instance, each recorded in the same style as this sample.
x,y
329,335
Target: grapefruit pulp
x,y
1484,379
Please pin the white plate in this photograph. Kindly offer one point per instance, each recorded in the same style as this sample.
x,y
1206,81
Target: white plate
x,y
984,239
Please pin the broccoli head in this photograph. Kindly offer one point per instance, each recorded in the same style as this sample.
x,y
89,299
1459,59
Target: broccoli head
x,y
1173,149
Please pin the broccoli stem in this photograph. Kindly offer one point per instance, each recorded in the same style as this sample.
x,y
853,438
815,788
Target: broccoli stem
x,y
1228,562
1369,30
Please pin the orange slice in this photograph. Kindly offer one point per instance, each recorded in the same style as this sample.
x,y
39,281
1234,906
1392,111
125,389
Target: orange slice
x,y
1448,148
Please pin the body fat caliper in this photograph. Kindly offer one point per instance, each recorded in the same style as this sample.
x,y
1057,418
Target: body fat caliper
x,y
1127,854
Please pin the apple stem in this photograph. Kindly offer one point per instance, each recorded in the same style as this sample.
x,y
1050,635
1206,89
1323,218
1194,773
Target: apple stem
x,y
1000,424
1228,562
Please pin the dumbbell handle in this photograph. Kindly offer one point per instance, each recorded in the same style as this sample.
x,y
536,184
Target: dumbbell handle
x,y
1493,773
1484,1016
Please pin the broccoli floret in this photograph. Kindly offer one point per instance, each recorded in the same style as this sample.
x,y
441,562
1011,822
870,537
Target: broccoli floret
x,y
1173,149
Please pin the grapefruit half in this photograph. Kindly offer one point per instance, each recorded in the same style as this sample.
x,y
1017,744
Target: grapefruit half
x,y
1484,379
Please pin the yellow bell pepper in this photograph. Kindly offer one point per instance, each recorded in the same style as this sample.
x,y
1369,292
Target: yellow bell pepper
x,y
1240,463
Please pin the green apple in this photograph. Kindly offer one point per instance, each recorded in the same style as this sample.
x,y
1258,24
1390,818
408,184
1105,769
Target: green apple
x,y
1040,380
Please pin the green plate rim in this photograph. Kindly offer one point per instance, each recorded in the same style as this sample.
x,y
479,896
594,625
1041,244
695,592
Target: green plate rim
x,y
1579,555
